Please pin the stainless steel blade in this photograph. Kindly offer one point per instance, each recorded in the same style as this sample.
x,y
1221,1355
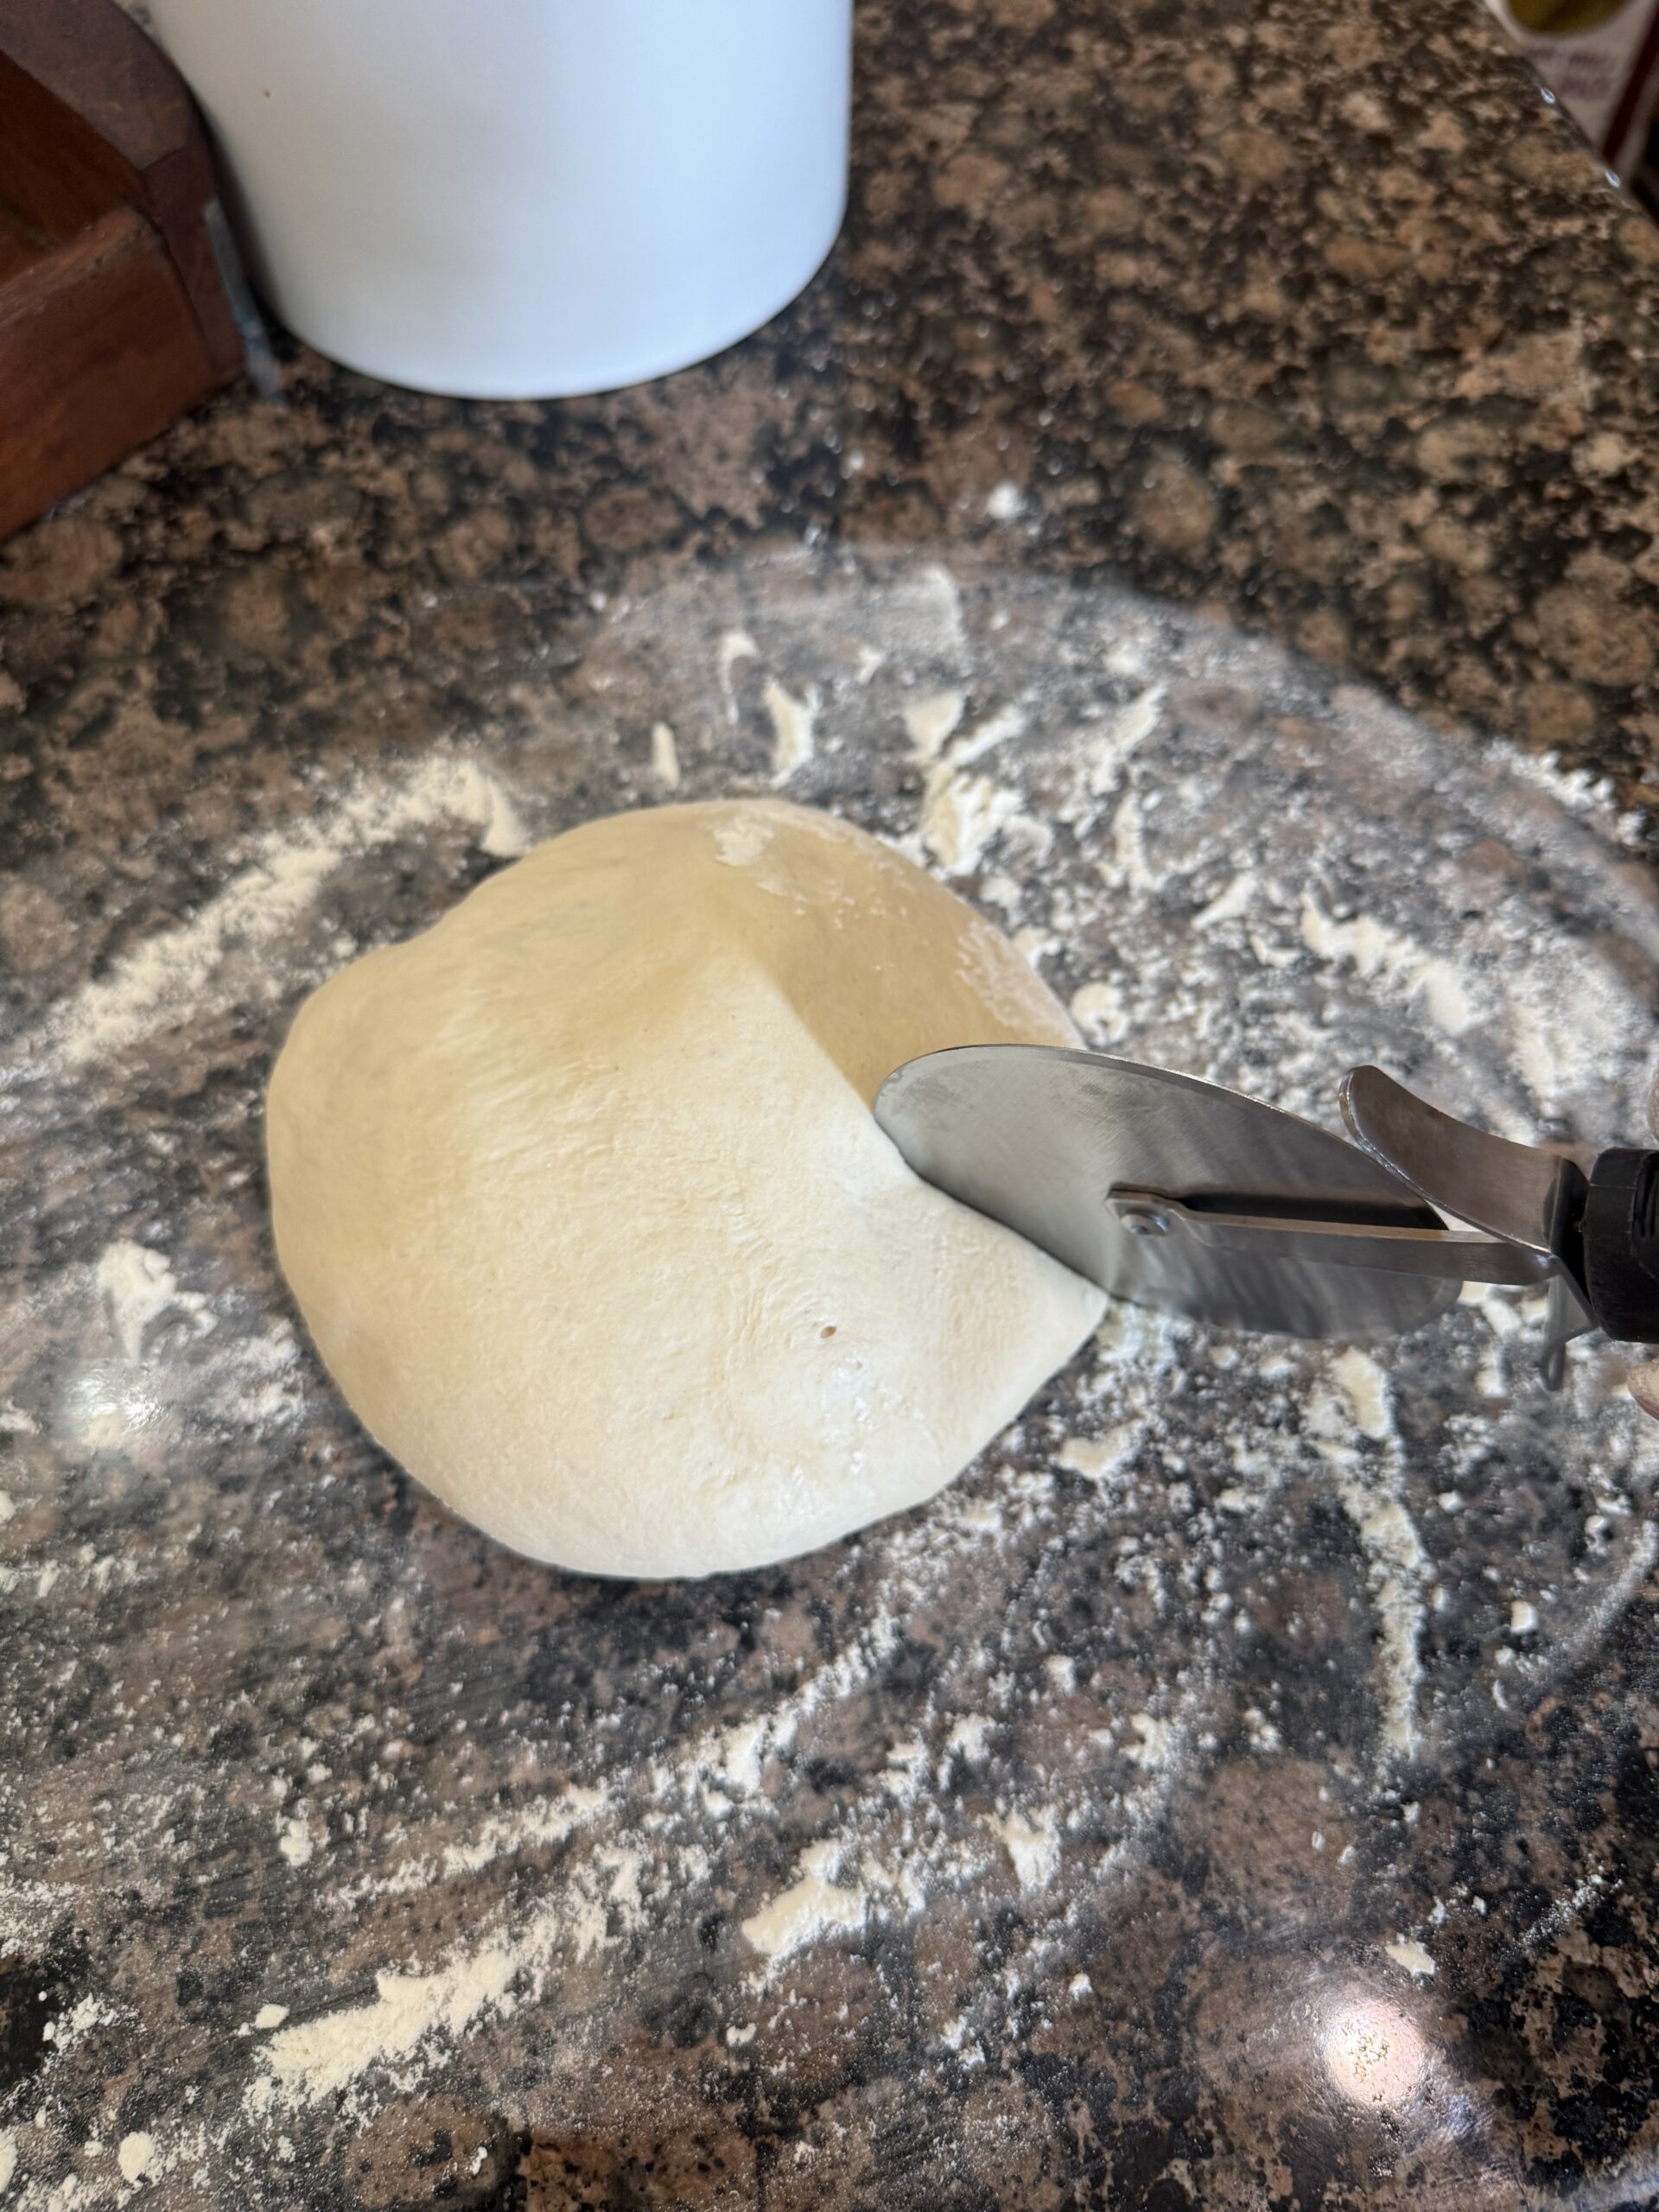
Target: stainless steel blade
x,y
1040,1138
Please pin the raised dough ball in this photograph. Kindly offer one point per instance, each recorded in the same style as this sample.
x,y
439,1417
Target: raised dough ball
x,y
582,1200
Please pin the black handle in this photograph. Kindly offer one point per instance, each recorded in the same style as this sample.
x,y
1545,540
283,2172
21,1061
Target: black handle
x,y
1621,1245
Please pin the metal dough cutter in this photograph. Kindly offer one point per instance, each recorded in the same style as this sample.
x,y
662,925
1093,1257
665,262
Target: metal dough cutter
x,y
1176,1193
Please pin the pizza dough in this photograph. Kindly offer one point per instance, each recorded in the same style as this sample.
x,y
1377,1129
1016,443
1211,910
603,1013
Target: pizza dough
x,y
582,1200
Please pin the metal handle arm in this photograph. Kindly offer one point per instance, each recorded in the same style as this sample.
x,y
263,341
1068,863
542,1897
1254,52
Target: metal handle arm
x,y
1449,1254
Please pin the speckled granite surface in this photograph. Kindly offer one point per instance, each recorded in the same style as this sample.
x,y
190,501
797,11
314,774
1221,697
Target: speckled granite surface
x,y
1242,1790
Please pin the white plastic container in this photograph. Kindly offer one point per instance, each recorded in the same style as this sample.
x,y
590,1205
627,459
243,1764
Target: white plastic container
x,y
521,199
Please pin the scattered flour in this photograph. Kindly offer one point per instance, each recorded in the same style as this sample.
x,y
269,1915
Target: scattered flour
x,y
793,731
1124,732
533,1826
1574,1641
1364,1384
1129,869
135,2156
962,816
1032,1846
137,1287
734,645
997,729
1230,904
881,1861
1375,951
937,598
1101,1013
29,1909
316,2059
1159,1744
1406,1951
743,1751
1097,1459
72,2027
174,1359
294,1840
170,978
812,1906
1354,1397
929,722
1560,1916
664,757
969,1738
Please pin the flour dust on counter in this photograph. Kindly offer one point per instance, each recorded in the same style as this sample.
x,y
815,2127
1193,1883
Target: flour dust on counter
x,y
334,1831
234,942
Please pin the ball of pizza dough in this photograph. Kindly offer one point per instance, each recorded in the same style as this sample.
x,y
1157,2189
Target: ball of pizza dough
x,y
582,1200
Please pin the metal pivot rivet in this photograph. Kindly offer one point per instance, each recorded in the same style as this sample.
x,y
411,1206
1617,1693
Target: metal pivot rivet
x,y
1145,1221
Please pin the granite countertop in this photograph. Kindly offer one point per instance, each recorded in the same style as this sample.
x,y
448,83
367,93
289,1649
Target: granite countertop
x,y
1241,1790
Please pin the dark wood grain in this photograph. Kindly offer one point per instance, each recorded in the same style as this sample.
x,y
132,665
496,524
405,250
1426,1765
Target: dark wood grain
x,y
95,61
113,317
98,351
20,244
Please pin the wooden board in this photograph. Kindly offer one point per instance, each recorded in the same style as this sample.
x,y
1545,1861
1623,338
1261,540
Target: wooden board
x,y
113,317
98,351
